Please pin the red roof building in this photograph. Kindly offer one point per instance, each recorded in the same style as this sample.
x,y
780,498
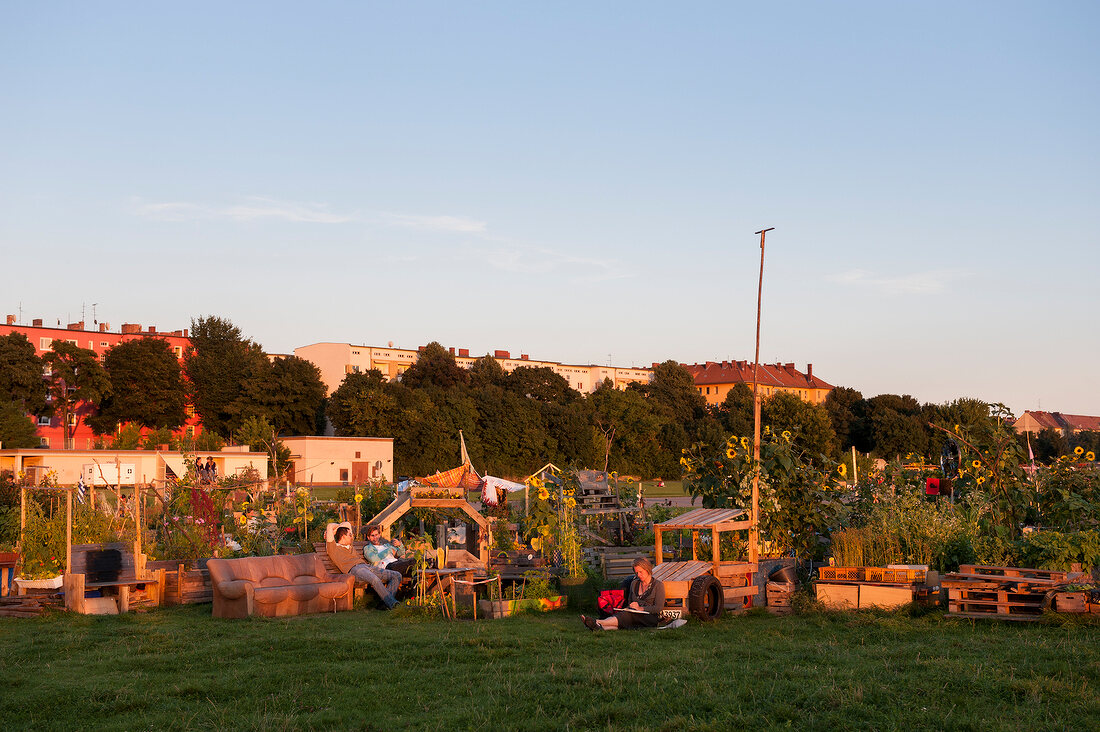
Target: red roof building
x,y
1065,424
714,379
51,432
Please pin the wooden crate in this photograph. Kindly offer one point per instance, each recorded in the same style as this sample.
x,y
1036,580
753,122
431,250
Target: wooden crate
x,y
887,575
779,594
1071,602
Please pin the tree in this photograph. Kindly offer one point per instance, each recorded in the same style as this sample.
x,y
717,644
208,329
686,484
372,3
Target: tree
x,y
261,436
736,411
77,384
848,412
673,389
435,366
146,387
289,392
21,375
627,429
896,426
808,423
16,428
541,384
487,371
221,360
365,405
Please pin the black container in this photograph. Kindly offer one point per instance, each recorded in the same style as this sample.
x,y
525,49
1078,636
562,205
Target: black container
x,y
784,574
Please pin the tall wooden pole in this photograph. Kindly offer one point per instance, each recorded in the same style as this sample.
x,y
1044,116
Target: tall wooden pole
x,y
754,537
68,530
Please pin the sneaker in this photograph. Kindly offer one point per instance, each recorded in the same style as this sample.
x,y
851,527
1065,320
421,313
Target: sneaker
x,y
590,623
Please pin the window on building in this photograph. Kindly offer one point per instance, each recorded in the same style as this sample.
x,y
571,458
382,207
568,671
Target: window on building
x,y
45,343
356,453
43,421
71,420
103,344
343,475
43,441
708,390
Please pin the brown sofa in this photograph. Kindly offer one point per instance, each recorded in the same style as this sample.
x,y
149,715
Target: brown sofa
x,y
276,586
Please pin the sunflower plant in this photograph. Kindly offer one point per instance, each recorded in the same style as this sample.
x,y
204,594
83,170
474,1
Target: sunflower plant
x,y
798,499
551,524
1069,492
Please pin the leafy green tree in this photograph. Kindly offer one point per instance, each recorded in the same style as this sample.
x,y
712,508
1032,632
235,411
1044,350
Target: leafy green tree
x,y
848,414
221,360
735,413
365,405
673,390
627,429
146,387
261,436
510,434
897,427
16,428
435,366
77,384
289,392
21,375
541,384
487,371
808,424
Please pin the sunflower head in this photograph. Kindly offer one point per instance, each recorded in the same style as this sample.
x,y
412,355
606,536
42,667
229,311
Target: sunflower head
x,y
731,453
980,480
1078,450
1090,456
842,469
787,435
977,463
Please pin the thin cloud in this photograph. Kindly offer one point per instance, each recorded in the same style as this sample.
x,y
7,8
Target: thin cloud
x,y
252,209
535,260
454,224
911,283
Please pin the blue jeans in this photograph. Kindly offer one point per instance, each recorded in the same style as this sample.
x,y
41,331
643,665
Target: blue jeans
x,y
382,581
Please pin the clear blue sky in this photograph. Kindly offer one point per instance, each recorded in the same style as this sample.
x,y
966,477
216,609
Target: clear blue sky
x,y
574,181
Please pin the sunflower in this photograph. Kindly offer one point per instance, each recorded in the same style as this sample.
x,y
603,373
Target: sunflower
x,y
543,494
1078,450
745,442
977,463
731,453
787,435
358,497
243,519
685,462
842,469
981,480
1090,456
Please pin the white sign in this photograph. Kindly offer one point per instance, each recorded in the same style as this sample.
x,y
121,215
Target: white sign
x,y
109,473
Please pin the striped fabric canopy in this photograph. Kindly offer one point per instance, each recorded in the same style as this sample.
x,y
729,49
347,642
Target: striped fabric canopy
x,y
464,476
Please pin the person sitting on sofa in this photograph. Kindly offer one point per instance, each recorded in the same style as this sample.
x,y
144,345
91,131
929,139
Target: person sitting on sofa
x,y
383,581
382,554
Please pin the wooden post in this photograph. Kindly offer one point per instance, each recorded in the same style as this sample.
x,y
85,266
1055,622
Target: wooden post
x,y
716,554
694,542
855,470
68,529
659,552
754,532
22,514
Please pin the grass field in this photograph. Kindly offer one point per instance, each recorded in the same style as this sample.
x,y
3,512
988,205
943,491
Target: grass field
x,y
178,668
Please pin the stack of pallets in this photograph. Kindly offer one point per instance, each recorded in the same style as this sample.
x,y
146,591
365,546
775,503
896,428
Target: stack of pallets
x,y
1005,593
31,604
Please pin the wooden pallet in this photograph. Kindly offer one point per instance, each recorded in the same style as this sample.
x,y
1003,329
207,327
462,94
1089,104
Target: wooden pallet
x,y
1008,593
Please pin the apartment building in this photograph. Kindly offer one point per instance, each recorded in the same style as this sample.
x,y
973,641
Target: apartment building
x,y
99,339
336,360
714,379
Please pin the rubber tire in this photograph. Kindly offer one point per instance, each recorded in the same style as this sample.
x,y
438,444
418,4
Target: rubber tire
x,y
705,599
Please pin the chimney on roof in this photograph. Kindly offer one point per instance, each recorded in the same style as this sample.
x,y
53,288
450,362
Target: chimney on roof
x,y
11,320
131,328
523,357
501,354
452,350
152,329
789,367
419,349
725,364
103,327
809,371
76,326
36,323
464,352
185,333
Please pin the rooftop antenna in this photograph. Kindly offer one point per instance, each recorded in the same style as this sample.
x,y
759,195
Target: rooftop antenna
x,y
20,312
93,313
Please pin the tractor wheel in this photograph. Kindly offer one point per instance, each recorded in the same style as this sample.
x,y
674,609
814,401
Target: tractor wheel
x,y
704,599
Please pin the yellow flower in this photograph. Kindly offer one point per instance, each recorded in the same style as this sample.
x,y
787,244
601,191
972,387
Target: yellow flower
x,y
956,428
842,469
745,442
787,435
685,462
731,453
1090,456
570,503
243,520
980,480
358,497
977,463
543,494
1078,450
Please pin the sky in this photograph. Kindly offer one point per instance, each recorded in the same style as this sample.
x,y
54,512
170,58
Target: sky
x,y
580,182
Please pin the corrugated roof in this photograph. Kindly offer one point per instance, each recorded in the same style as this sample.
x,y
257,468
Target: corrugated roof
x,y
738,372
1060,421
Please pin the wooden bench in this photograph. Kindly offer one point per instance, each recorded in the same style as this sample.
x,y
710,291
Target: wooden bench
x,y
115,593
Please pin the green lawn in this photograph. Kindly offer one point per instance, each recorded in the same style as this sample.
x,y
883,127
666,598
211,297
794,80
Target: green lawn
x,y
179,668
